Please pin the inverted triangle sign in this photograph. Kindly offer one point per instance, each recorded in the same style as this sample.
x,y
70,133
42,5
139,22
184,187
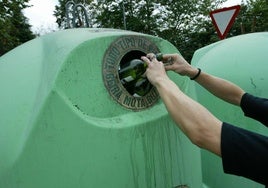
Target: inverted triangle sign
x,y
223,19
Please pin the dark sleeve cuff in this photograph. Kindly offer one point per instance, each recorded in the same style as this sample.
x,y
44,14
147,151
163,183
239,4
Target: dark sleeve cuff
x,y
255,107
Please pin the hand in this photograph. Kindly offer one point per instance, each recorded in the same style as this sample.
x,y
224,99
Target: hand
x,y
155,71
179,65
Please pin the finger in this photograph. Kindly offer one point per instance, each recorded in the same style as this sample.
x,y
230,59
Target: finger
x,y
154,60
151,56
146,60
167,57
168,67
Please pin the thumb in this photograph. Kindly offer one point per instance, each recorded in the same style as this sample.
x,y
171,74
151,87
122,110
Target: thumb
x,y
169,67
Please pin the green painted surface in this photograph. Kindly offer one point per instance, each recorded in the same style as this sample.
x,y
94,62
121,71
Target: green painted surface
x,y
242,60
60,128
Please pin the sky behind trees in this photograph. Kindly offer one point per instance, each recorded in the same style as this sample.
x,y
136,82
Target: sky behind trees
x,y
41,14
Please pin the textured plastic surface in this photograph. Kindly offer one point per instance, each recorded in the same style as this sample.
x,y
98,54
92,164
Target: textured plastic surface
x,y
61,128
244,61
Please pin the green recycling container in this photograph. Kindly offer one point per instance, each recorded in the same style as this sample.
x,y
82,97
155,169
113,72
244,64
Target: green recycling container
x,y
242,60
66,120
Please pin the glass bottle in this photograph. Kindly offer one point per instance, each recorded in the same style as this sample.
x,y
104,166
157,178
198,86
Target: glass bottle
x,y
133,70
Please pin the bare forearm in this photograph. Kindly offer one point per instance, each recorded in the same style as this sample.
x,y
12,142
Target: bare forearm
x,y
199,125
221,88
193,119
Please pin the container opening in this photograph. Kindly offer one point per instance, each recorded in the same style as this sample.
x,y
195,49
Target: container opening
x,y
140,86
135,54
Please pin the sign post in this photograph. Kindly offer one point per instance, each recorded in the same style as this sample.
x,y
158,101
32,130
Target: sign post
x,y
223,19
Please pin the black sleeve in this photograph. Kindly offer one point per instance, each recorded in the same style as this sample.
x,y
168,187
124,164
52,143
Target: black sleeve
x,y
244,153
255,107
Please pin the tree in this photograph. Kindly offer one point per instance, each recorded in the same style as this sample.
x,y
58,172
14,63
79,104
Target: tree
x,y
187,24
60,12
184,23
175,21
134,15
253,17
14,27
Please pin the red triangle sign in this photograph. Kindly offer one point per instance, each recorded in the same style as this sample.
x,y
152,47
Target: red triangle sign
x,y
223,19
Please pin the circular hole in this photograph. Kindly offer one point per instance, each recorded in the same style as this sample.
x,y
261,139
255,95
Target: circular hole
x,y
140,86
135,54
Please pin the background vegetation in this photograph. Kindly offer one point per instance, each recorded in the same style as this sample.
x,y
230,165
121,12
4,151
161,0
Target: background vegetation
x,y
14,27
185,23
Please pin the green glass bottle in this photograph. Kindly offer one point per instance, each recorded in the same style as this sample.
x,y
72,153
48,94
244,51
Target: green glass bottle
x,y
139,87
132,70
135,68
169,61
129,86
159,56
142,87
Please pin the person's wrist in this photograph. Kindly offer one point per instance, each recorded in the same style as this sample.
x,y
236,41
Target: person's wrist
x,y
196,75
160,81
192,72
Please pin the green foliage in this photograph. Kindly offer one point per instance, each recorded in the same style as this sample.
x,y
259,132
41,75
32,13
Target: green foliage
x,y
188,25
181,22
253,17
14,27
184,23
60,11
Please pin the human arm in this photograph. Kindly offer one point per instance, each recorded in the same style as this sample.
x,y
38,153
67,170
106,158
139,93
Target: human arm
x,y
200,126
221,88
